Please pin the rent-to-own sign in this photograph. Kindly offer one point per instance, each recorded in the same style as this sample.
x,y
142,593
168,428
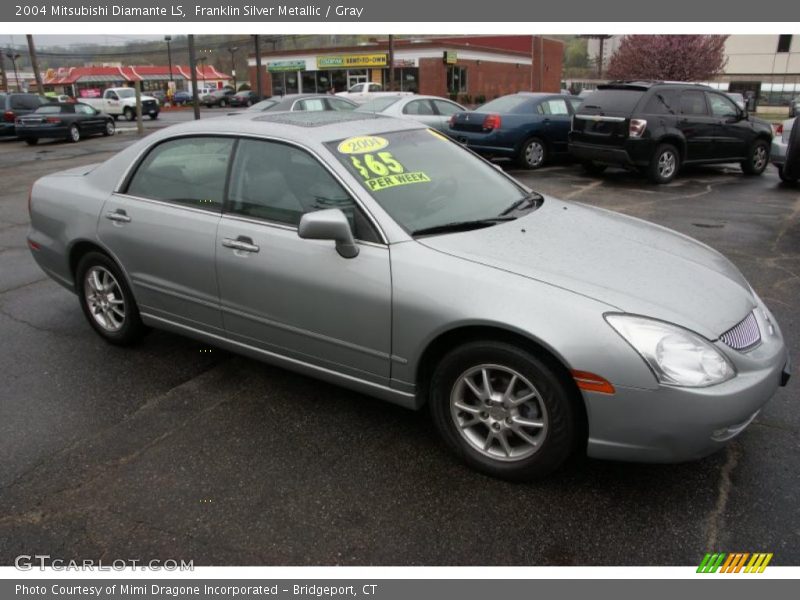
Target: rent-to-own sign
x,y
345,61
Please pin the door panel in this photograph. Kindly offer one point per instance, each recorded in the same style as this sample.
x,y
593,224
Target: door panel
x,y
168,253
731,132
302,299
697,126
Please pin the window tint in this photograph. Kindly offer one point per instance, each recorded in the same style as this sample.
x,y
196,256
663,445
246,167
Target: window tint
x,y
189,171
693,103
339,104
52,109
277,182
662,103
623,101
25,102
722,106
553,107
447,108
312,104
418,107
84,109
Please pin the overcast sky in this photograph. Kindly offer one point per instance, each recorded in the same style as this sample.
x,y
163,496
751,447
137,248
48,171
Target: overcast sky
x,y
70,40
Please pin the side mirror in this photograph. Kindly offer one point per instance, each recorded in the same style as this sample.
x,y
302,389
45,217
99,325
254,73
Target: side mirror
x,y
329,224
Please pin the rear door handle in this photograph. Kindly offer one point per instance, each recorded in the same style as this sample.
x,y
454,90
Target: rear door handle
x,y
118,216
245,244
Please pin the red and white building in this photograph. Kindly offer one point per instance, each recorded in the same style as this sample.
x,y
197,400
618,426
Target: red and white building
x,y
84,82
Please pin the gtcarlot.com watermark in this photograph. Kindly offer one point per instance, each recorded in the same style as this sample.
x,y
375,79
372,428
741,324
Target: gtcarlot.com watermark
x,y
28,562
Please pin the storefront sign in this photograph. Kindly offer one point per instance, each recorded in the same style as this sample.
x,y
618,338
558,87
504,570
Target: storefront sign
x,y
344,61
90,93
278,66
400,63
450,57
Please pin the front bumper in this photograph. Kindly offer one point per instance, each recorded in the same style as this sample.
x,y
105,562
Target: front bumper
x,y
777,154
672,424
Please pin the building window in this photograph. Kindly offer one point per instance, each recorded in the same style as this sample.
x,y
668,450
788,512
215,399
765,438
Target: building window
x,y
456,80
784,43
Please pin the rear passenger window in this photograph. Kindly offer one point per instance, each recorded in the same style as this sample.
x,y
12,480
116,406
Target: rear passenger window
x,y
188,171
662,103
693,103
418,107
279,183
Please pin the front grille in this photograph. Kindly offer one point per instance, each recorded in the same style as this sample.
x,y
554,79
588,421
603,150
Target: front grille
x,y
743,336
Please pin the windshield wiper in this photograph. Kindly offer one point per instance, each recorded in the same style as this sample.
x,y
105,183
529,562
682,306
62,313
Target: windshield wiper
x,y
462,225
531,200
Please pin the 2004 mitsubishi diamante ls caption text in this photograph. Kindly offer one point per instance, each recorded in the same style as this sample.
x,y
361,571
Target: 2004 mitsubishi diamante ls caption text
x,y
379,255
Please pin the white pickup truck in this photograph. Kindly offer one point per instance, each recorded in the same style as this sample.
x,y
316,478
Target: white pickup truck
x,y
121,102
363,92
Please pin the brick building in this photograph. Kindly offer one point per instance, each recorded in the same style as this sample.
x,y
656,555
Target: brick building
x,y
469,68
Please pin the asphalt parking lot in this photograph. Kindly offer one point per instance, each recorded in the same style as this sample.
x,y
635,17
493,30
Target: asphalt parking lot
x,y
178,450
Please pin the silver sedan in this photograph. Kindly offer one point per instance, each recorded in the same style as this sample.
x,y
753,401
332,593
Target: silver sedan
x,y
432,111
377,254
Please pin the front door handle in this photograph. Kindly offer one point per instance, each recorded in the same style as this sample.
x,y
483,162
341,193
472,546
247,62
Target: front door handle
x,y
242,243
118,216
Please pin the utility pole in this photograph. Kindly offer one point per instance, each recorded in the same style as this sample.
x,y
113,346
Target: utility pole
x,y
193,69
257,45
168,39
35,64
3,78
139,123
14,56
233,51
391,62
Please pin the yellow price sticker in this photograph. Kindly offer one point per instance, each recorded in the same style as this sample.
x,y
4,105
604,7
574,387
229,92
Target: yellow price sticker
x,y
362,144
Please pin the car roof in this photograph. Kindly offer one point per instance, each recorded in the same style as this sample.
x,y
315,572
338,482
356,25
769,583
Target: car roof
x,y
644,85
303,126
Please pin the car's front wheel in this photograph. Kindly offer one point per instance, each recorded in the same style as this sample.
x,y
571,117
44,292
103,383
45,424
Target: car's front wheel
x,y
664,165
503,410
533,154
758,158
107,301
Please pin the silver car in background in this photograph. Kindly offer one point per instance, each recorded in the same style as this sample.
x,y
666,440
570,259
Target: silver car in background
x,y
780,151
377,254
432,111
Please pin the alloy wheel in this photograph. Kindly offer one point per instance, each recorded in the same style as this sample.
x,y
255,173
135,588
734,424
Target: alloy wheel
x,y
104,298
667,162
760,157
74,134
499,412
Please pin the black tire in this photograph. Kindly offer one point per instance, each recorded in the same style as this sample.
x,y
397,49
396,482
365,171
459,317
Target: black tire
x,y
116,117
559,437
74,134
130,114
758,158
532,154
154,116
110,128
659,171
132,328
31,141
593,168
786,178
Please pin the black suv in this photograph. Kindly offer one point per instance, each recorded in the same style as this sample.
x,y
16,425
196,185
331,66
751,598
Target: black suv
x,y
658,127
15,104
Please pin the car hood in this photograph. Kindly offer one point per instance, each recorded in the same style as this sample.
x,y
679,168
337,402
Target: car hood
x,y
629,264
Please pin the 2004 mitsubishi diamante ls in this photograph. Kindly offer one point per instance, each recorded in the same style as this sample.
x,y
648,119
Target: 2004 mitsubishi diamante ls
x,y
379,255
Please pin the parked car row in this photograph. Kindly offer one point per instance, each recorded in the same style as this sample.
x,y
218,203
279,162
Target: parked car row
x,y
32,117
656,128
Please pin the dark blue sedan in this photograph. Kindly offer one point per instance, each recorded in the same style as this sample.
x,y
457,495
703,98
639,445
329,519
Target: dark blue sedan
x,y
527,127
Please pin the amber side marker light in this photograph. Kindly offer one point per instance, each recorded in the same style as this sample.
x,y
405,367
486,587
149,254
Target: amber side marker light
x,y
592,383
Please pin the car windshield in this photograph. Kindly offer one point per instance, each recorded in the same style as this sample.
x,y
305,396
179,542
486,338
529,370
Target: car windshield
x,y
263,105
504,104
378,104
126,93
424,180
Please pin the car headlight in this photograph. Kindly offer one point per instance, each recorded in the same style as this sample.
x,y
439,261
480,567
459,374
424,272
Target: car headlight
x,y
676,356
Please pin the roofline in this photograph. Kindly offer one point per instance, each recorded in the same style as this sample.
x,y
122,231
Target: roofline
x,y
384,47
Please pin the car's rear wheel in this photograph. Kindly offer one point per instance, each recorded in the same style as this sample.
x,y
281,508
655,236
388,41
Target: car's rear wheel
x,y
593,168
31,141
106,300
503,410
758,158
74,134
110,128
533,154
665,163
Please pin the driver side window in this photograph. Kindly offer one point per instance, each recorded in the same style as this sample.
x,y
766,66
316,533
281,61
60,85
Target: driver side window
x,y
280,183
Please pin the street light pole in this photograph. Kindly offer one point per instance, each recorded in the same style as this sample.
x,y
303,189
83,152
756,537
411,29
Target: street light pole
x,y
193,69
233,51
13,56
168,39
